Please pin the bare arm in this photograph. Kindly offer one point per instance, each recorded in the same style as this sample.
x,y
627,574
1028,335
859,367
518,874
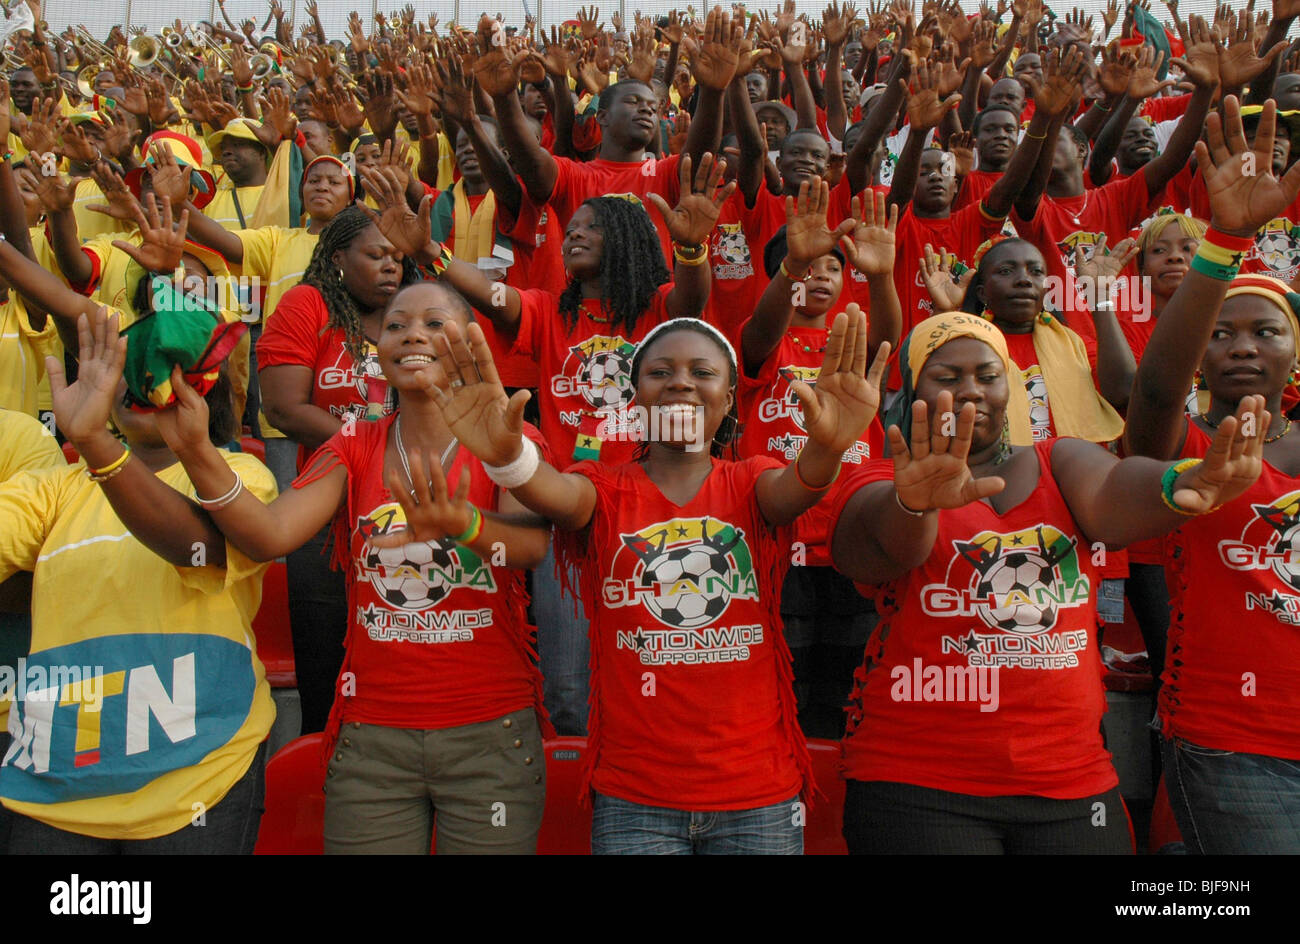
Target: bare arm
x,y
286,400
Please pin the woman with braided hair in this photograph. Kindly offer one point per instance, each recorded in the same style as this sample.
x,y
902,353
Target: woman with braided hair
x,y
319,373
619,289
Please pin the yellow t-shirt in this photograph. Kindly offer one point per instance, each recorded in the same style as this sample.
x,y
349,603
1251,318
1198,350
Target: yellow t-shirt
x,y
222,208
176,701
278,257
111,285
22,357
91,224
26,445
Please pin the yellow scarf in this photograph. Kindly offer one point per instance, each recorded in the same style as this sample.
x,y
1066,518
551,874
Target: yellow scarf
x,y
1078,409
475,233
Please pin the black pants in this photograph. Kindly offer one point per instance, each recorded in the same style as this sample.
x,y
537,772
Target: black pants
x,y
318,618
901,819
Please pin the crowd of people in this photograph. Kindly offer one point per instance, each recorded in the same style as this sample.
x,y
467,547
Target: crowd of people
x,y
694,384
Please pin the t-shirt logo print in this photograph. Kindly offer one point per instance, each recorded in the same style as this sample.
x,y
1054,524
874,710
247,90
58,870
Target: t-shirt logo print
x,y
416,576
602,371
1277,246
1270,541
685,571
1020,579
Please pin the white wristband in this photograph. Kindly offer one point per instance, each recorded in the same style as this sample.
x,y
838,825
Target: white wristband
x,y
519,470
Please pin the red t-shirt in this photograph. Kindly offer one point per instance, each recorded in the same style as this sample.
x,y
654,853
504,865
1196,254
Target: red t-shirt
x,y
737,271
578,181
772,425
438,636
1022,351
975,186
1013,592
961,233
586,373
298,333
1232,676
692,705
1165,107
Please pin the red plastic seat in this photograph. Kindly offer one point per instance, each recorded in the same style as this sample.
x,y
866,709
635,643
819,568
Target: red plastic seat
x,y
566,824
1164,827
271,627
294,821
823,833
254,447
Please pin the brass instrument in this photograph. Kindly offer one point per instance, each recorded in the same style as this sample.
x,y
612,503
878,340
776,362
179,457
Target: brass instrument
x,y
86,79
143,51
202,41
172,38
261,64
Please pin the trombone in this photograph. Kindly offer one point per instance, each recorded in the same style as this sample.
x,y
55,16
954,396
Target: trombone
x,y
201,40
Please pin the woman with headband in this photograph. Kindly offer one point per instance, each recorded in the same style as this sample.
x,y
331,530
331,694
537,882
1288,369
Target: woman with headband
x,y
977,725
695,746
1229,706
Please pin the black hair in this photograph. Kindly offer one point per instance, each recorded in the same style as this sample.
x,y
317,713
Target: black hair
x,y
777,249
812,132
1080,136
632,264
724,440
975,125
972,304
456,298
324,275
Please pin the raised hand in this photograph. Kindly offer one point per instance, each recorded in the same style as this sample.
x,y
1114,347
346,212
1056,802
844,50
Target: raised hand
x,y
700,203
1244,194
1062,85
1115,73
841,407
715,56
933,473
1144,83
589,22
497,67
925,109
468,391
161,244
82,409
1200,58
1232,463
946,288
807,235
278,120
1104,266
432,514
1238,63
56,191
406,229
869,247
183,424
121,205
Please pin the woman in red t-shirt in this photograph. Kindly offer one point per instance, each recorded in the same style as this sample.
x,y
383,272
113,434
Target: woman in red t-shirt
x,y
437,707
694,743
1229,707
619,288
826,622
319,373
978,724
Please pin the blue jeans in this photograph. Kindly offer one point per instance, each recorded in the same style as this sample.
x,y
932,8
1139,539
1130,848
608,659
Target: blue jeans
x,y
563,650
228,828
1230,803
620,827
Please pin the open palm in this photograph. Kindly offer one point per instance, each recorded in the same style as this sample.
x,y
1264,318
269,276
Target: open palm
x,y
843,404
1244,194
933,473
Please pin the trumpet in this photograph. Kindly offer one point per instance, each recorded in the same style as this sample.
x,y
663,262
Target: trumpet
x,y
261,64
172,38
143,51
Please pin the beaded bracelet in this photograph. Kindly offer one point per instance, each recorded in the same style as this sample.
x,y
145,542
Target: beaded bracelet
x,y
793,278
1167,485
696,256
470,534
439,266
110,470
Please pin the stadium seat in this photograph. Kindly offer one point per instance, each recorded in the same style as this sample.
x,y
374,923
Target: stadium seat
x,y
271,627
566,824
294,821
824,831
1165,836
254,447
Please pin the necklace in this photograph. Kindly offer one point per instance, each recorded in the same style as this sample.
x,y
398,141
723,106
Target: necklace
x,y
406,465
584,310
804,346
1286,428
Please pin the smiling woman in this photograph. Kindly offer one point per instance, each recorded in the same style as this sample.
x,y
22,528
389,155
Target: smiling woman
x,y
319,371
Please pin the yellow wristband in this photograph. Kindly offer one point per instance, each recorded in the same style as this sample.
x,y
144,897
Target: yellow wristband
x,y
110,470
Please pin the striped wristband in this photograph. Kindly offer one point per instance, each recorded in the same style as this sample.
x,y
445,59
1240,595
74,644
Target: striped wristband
x,y
1219,255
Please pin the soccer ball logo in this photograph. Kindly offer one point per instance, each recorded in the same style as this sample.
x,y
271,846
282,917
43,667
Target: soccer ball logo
x,y
1287,525
1018,583
410,577
605,381
732,245
690,582
1275,244
368,369
809,376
